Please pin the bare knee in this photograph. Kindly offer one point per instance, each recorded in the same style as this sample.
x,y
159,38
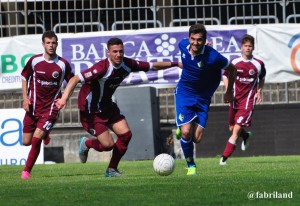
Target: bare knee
x,y
198,138
26,142
185,133
26,139
108,144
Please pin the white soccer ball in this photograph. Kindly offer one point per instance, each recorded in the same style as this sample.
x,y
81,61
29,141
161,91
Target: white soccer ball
x,y
164,164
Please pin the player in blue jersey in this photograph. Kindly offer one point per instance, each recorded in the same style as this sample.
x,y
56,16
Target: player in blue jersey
x,y
201,75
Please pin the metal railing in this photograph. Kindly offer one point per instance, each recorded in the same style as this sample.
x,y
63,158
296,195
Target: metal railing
x,y
280,93
74,16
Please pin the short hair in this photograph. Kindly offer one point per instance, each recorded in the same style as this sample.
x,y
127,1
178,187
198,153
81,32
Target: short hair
x,y
198,28
114,41
49,34
248,38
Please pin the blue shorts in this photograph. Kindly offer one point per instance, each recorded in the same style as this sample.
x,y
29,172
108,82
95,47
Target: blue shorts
x,y
191,109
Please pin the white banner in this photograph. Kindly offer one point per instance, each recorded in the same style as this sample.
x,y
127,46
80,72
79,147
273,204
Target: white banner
x,y
12,151
276,44
279,47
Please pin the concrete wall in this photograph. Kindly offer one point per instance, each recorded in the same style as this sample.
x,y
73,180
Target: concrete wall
x,y
276,130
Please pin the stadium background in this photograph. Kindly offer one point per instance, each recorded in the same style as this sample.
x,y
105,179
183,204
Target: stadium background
x,y
275,123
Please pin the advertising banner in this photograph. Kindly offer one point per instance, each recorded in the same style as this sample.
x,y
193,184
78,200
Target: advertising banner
x,y
12,151
276,44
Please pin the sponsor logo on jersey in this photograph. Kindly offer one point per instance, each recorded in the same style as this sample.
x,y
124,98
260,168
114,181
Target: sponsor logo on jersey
x,y
46,83
245,80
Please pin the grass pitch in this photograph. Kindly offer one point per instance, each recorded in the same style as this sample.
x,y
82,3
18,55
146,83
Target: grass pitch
x,y
266,178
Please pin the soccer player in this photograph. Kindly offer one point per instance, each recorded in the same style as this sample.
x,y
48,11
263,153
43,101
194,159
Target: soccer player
x,y
98,113
201,75
42,78
247,91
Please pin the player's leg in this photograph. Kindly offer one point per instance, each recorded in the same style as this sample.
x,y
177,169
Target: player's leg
x,y
245,121
123,132
231,144
46,138
187,145
33,153
96,126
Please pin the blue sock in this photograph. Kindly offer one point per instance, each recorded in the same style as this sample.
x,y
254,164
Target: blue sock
x,y
188,151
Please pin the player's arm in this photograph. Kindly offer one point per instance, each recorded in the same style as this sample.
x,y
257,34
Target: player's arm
x,y
61,103
26,100
165,65
261,84
225,81
228,96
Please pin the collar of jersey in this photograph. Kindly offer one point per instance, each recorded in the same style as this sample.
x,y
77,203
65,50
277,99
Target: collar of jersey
x,y
201,52
114,66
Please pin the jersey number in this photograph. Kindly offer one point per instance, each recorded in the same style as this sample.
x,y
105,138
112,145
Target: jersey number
x,y
47,125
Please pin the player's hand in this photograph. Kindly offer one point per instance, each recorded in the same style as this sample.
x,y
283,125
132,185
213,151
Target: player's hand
x,y
228,97
61,104
258,98
26,104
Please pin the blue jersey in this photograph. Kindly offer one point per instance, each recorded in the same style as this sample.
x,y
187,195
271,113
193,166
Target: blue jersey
x,y
201,74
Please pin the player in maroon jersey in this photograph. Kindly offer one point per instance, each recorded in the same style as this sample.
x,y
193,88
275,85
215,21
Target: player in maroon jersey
x,y
247,91
42,78
98,113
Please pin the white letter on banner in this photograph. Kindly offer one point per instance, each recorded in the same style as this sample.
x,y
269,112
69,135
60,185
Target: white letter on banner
x,y
92,51
233,43
78,67
79,52
144,48
216,44
128,49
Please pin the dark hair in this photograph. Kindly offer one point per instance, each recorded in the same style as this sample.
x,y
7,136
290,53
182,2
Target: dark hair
x,y
49,34
248,38
198,28
114,41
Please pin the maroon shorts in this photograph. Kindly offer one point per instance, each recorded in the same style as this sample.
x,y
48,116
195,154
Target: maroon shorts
x,y
97,123
240,117
44,123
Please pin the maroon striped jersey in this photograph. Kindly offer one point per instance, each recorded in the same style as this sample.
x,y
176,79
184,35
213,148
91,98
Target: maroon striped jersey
x,y
245,86
44,80
102,79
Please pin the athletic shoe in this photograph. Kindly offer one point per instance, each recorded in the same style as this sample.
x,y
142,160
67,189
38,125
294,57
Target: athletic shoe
x,y
111,172
245,143
178,133
191,170
25,175
83,150
223,161
47,140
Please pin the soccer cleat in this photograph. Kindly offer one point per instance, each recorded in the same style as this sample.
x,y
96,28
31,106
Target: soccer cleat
x,y
245,142
178,133
47,140
111,172
223,161
191,170
25,175
83,150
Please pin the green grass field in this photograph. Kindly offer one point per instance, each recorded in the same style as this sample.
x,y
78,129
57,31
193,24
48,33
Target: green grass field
x,y
85,184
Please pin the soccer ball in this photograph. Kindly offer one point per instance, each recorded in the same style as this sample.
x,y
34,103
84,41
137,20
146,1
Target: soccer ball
x,y
164,164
